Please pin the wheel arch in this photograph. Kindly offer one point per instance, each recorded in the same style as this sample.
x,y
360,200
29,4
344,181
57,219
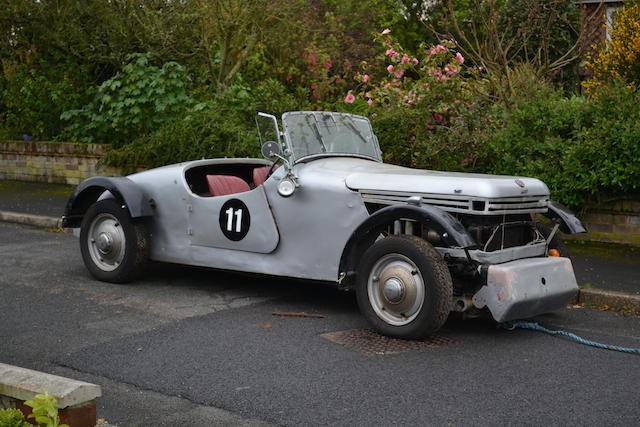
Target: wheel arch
x,y
124,190
569,223
452,232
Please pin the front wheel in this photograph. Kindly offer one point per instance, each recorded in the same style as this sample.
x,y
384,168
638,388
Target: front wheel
x,y
404,287
114,246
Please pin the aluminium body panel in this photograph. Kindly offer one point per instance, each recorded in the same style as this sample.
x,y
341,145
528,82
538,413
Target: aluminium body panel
x,y
390,178
527,287
313,224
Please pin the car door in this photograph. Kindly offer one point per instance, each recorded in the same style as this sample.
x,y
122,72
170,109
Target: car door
x,y
241,221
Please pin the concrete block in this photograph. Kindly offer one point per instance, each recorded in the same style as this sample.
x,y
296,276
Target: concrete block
x,y
598,218
600,228
620,219
24,384
610,299
626,229
633,220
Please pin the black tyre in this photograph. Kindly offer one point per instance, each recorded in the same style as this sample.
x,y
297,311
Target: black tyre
x,y
114,246
556,242
404,287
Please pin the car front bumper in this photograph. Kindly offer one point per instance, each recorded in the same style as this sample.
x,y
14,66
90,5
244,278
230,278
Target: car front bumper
x,y
527,287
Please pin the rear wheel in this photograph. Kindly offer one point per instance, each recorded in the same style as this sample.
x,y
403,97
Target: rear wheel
x,y
114,246
404,287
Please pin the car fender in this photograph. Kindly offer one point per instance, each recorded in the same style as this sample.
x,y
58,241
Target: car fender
x,y
569,223
123,190
452,232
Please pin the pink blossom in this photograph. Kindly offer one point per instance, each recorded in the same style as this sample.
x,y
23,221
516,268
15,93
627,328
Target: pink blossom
x,y
430,126
444,78
399,74
396,83
349,98
365,78
433,52
438,117
385,31
405,58
374,115
440,48
437,73
390,68
415,61
369,101
460,58
387,42
390,52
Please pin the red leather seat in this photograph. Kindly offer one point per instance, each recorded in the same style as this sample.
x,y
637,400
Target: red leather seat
x,y
260,175
219,185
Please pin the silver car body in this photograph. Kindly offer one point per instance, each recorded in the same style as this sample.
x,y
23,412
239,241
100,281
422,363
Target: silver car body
x,y
305,235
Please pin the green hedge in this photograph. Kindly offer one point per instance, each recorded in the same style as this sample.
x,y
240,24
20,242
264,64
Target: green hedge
x,y
584,149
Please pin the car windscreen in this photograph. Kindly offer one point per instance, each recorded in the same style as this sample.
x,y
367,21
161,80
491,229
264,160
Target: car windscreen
x,y
317,133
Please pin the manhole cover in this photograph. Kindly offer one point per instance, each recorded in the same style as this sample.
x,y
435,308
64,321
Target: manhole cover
x,y
369,342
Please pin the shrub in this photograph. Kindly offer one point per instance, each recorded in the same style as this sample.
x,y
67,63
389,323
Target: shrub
x,y
619,59
217,130
583,149
35,97
12,418
604,161
136,101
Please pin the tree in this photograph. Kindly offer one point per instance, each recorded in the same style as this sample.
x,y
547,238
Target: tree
x,y
497,35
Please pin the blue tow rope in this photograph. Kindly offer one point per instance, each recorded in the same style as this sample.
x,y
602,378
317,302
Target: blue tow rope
x,y
535,327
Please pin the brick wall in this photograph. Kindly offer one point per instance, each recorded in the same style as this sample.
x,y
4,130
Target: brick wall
x,y
57,162
617,222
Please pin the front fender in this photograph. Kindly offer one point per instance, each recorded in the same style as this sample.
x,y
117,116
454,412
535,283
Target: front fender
x,y
452,232
569,223
123,189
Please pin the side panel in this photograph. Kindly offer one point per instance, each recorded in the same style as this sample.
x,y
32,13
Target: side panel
x,y
245,217
314,225
169,225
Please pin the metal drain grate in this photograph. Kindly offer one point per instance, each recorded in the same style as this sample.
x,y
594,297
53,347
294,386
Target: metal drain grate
x,y
369,342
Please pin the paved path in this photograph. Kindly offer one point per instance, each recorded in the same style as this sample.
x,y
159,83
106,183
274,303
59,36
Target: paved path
x,y
189,346
34,197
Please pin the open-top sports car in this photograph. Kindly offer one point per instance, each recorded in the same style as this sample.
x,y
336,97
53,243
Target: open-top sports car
x,y
414,244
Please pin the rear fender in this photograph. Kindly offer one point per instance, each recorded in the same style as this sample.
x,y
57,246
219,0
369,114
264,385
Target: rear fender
x,y
123,190
451,231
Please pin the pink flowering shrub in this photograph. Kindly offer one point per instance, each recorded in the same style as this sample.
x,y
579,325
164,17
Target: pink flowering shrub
x,y
425,105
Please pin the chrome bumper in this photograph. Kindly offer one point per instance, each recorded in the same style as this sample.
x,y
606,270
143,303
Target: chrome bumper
x,y
527,287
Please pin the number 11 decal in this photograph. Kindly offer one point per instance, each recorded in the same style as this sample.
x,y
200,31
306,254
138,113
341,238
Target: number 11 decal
x,y
230,214
235,220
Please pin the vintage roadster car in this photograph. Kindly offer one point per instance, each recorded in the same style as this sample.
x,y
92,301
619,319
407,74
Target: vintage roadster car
x,y
414,244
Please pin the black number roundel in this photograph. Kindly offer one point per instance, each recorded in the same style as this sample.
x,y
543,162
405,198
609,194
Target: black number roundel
x,y
234,219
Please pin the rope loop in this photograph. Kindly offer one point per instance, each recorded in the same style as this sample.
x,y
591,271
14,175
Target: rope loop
x,y
521,324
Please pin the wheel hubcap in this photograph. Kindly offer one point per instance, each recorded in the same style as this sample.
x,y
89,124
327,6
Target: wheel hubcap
x,y
393,290
396,289
106,242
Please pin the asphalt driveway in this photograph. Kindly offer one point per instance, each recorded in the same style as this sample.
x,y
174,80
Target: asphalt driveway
x,y
196,347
